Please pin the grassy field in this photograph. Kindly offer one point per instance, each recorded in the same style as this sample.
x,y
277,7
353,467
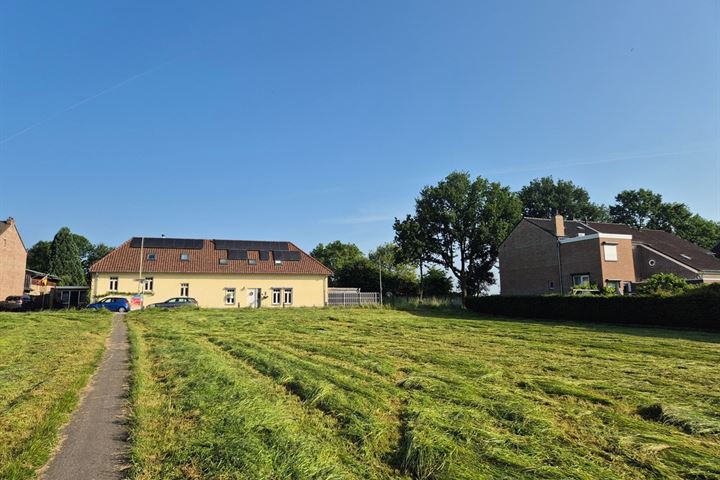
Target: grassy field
x,y
334,394
45,360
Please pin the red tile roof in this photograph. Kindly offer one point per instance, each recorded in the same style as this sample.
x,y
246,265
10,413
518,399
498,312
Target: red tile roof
x,y
126,259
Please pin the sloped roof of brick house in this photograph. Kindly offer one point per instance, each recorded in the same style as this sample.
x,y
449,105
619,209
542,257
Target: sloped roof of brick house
x,y
666,243
204,256
6,224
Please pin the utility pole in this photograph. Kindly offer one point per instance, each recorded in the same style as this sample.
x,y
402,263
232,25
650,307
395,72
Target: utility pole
x,y
381,292
141,282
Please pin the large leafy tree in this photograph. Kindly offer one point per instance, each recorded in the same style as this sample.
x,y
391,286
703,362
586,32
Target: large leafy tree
x,y
645,209
700,231
351,268
336,255
436,283
38,256
637,208
399,277
544,197
98,251
463,221
411,246
65,259
388,256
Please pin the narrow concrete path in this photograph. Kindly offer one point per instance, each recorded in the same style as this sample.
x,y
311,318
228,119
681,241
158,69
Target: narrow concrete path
x,y
95,440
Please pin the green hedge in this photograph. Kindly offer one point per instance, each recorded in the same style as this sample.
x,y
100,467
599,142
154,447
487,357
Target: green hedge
x,y
699,311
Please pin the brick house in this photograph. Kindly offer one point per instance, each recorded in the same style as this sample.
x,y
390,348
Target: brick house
x,y
544,256
217,273
13,256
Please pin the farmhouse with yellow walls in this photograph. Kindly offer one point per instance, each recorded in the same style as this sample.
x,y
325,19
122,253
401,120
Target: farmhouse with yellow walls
x,y
217,273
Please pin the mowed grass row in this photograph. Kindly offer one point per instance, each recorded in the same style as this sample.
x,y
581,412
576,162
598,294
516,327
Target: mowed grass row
x,y
45,361
325,393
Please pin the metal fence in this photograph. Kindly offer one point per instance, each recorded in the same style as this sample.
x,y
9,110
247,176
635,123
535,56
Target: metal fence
x,y
350,299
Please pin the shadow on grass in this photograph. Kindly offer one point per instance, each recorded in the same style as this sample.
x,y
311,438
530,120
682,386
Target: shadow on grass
x,y
456,313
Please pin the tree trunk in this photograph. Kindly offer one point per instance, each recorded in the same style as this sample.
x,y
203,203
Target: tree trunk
x,y
463,282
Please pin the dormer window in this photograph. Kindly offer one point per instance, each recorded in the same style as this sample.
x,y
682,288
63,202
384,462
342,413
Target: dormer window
x,y
184,257
151,257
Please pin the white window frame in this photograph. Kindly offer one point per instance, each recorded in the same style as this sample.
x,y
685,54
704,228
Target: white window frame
x,y
184,289
252,261
114,283
151,257
285,297
230,297
148,284
610,252
582,276
184,257
276,296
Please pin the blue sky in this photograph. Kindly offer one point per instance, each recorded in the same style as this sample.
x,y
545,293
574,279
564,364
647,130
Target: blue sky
x,y
322,120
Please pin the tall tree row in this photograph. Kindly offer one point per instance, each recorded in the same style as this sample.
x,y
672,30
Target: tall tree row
x,y
642,208
352,268
68,256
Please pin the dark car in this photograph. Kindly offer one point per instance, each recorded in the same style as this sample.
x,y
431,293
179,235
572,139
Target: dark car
x,y
19,302
114,304
176,302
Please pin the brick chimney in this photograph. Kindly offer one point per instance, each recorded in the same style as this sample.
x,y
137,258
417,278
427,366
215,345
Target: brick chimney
x,y
559,226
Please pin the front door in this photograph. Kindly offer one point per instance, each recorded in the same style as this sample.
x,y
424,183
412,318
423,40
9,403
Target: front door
x,y
253,297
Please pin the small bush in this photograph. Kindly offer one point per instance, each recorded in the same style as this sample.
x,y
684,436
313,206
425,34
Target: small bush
x,y
665,284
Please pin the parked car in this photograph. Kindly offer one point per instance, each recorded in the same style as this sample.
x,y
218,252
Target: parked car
x,y
176,302
19,302
114,304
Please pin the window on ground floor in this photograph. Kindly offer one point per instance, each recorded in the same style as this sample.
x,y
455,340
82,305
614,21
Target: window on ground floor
x,y
288,296
581,280
276,292
184,289
229,296
615,285
113,284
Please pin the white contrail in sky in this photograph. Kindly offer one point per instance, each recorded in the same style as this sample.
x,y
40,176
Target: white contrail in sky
x,y
597,161
82,102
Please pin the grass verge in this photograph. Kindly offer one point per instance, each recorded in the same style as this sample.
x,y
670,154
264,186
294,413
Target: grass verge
x,y
45,361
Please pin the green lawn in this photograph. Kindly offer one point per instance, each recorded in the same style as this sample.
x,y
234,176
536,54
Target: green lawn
x,y
45,360
325,393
